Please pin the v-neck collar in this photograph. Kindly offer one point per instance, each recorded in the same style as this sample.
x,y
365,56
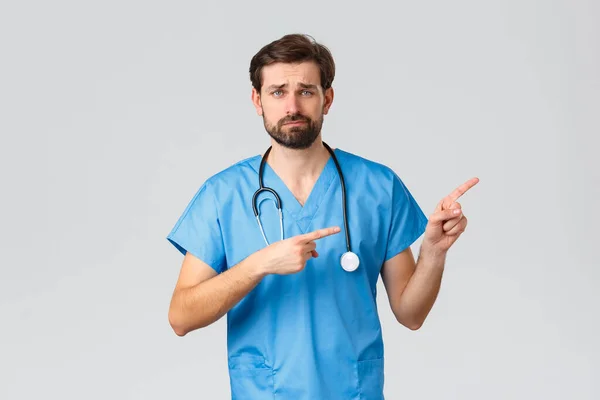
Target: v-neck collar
x,y
302,214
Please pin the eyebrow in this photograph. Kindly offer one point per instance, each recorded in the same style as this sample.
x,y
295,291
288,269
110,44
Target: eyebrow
x,y
302,85
308,86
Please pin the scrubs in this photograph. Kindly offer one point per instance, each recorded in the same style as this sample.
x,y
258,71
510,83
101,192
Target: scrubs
x,y
315,334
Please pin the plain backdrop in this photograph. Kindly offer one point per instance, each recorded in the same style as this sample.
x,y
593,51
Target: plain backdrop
x,y
113,113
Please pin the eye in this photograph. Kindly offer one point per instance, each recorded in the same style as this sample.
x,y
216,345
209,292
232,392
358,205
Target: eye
x,y
277,93
306,92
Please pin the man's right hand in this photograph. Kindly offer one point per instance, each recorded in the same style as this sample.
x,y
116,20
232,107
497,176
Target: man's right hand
x,y
202,296
289,256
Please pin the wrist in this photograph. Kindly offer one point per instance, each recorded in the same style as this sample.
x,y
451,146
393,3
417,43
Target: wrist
x,y
432,254
258,265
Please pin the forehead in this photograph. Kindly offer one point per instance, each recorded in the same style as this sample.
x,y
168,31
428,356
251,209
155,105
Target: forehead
x,y
291,74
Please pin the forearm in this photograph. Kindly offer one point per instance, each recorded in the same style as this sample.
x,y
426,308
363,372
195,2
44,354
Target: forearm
x,y
201,305
422,289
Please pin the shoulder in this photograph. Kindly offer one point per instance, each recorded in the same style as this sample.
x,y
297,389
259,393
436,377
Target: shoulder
x,y
360,164
381,179
234,176
219,189
376,172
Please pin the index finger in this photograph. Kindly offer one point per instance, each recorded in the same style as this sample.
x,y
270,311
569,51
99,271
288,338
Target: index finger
x,y
462,189
320,233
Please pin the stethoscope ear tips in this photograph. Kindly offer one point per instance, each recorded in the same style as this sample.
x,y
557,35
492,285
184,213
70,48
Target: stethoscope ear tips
x,y
349,261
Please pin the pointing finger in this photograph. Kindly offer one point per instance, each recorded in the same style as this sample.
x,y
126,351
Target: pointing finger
x,y
462,189
320,233
456,193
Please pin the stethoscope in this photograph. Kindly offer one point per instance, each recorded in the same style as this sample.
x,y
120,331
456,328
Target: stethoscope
x,y
349,260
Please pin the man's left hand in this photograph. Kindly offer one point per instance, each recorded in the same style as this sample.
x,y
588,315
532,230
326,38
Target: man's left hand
x,y
447,222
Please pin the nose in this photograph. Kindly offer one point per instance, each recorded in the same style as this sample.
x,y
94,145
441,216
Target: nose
x,y
292,105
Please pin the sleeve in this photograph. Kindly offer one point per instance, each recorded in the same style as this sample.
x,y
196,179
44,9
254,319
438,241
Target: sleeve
x,y
408,221
198,230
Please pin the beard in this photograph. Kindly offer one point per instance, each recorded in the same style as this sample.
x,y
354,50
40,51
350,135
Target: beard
x,y
295,137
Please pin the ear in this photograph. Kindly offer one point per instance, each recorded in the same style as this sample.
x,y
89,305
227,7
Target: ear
x,y
256,101
328,100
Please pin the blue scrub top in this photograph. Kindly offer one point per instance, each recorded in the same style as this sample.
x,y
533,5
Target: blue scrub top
x,y
315,334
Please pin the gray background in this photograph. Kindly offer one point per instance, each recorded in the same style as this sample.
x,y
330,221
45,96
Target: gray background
x,y
113,113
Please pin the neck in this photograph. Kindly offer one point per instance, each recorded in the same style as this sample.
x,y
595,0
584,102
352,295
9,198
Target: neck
x,y
298,165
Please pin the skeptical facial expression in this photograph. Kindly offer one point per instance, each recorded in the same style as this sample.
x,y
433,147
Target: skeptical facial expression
x,y
292,103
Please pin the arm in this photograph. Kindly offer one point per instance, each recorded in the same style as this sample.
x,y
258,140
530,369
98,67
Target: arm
x,y
201,297
412,288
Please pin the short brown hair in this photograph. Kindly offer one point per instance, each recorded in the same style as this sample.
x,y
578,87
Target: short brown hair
x,y
293,48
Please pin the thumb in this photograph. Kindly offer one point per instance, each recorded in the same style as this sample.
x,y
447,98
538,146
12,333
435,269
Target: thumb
x,y
438,218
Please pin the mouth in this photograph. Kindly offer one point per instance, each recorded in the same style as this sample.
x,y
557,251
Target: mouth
x,y
295,123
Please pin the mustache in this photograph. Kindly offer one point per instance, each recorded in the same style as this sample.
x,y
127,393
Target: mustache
x,y
294,118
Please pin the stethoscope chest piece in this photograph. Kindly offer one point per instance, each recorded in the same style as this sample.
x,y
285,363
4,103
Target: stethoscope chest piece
x,y
349,261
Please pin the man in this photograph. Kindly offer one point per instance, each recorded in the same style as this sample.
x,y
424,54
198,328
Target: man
x,y
302,319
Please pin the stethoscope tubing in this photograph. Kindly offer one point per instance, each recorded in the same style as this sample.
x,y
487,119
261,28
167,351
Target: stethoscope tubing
x,y
349,260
